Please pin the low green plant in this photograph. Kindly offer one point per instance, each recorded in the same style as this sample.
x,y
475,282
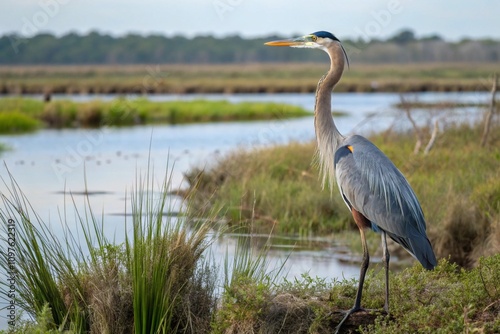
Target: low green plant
x,y
305,286
448,299
90,114
122,113
16,122
57,114
247,288
30,107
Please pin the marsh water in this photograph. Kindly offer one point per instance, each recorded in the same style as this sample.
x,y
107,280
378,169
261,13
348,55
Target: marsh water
x,y
50,164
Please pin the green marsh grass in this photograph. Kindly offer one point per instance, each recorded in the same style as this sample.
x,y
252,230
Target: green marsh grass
x,y
160,250
19,115
447,300
157,281
123,112
249,283
16,122
275,188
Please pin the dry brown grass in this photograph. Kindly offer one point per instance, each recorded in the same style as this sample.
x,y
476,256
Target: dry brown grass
x,y
240,78
462,231
109,297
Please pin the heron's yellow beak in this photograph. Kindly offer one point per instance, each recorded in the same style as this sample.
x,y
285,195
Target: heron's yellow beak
x,y
294,42
284,42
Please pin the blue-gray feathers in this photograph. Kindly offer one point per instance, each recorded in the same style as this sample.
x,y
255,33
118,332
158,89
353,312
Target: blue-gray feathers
x,y
372,185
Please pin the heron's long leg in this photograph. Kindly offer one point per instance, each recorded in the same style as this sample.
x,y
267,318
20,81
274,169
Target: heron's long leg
x,y
386,257
362,274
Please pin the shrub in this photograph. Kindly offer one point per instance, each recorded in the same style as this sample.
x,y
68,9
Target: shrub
x,y
91,114
16,122
59,114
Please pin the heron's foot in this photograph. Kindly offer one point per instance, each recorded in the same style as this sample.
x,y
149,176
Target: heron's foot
x,y
361,309
347,314
386,309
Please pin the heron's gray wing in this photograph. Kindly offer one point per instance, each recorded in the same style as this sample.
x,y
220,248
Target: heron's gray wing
x,y
371,184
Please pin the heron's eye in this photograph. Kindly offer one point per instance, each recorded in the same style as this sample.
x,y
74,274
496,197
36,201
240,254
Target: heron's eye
x,y
314,38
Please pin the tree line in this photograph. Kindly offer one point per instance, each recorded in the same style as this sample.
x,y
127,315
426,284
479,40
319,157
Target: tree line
x,y
97,48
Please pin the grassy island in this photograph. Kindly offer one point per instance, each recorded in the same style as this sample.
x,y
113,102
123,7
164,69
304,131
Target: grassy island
x,y
24,115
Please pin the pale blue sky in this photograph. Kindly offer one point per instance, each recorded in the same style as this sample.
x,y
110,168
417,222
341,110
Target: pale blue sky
x,y
346,18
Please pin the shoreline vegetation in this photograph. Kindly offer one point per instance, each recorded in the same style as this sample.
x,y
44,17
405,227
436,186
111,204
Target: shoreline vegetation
x,y
18,115
161,280
277,189
240,78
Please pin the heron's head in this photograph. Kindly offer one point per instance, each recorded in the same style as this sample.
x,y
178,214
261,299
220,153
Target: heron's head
x,y
318,40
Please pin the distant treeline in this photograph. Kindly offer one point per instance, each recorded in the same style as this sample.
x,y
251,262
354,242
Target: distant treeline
x,y
96,48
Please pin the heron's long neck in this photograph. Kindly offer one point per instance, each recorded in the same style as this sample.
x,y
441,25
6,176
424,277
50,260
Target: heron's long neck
x,y
328,136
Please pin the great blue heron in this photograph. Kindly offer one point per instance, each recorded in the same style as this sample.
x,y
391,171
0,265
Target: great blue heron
x,y
375,191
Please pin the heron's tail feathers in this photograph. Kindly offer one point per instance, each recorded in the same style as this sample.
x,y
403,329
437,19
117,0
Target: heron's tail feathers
x,y
420,248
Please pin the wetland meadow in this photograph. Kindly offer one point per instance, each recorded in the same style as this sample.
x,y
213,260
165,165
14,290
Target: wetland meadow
x,y
187,201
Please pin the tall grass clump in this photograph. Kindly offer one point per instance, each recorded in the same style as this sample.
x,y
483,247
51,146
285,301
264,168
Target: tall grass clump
x,y
38,259
162,258
157,281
